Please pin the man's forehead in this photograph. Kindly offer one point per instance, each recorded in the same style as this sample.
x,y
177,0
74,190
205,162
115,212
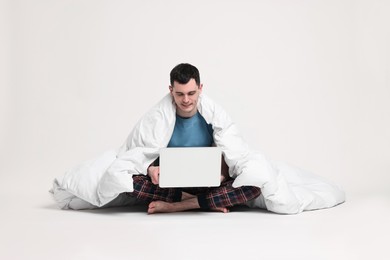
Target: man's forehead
x,y
188,87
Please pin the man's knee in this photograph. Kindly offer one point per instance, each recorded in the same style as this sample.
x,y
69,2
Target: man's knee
x,y
140,178
140,182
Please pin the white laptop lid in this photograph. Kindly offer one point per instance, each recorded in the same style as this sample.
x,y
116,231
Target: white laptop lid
x,y
190,167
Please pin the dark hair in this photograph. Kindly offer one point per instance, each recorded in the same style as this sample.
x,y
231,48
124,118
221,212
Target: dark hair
x,y
183,73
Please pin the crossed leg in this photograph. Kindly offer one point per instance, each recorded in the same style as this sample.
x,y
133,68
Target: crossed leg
x,y
162,200
188,202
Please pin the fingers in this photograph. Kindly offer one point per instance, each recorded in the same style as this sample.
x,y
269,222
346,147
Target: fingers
x,y
154,173
222,178
155,178
155,181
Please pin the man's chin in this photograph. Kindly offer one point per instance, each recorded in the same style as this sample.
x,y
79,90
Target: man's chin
x,y
187,109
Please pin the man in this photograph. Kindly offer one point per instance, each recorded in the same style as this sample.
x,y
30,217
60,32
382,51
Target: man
x,y
185,117
190,130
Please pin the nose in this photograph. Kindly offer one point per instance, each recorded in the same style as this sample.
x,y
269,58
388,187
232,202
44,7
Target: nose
x,y
185,99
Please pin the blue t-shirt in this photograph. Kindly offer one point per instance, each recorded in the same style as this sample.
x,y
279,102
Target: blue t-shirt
x,y
191,132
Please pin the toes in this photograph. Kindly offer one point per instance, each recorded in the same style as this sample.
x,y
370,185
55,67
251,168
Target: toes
x,y
223,210
152,208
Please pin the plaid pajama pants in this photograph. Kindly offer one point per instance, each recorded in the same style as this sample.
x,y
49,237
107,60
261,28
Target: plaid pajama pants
x,y
208,198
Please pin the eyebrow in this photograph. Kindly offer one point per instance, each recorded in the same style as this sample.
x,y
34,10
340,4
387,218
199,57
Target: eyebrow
x,y
189,92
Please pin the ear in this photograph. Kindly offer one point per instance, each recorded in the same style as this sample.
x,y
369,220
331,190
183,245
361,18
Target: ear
x,y
170,90
200,88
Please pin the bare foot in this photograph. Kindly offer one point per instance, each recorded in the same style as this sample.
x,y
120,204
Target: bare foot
x,y
165,207
186,196
160,207
224,210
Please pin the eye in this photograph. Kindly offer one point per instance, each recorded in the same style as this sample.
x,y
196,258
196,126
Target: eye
x,y
191,93
180,94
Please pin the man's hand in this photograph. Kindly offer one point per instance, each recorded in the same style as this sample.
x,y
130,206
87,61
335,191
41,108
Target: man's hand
x,y
154,174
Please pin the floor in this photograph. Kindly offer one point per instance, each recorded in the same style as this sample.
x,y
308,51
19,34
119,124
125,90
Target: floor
x,y
32,227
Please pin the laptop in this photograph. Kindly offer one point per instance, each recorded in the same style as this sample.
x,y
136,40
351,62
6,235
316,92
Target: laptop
x,y
182,167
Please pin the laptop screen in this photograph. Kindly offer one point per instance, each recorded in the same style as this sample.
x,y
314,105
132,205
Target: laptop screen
x,y
190,167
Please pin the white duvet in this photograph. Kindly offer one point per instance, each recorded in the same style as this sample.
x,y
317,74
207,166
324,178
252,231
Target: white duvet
x,y
104,180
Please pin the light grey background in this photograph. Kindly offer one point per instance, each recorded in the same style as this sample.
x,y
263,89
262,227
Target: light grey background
x,y
307,82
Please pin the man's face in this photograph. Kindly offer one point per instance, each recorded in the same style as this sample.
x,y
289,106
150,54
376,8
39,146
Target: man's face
x,y
186,97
